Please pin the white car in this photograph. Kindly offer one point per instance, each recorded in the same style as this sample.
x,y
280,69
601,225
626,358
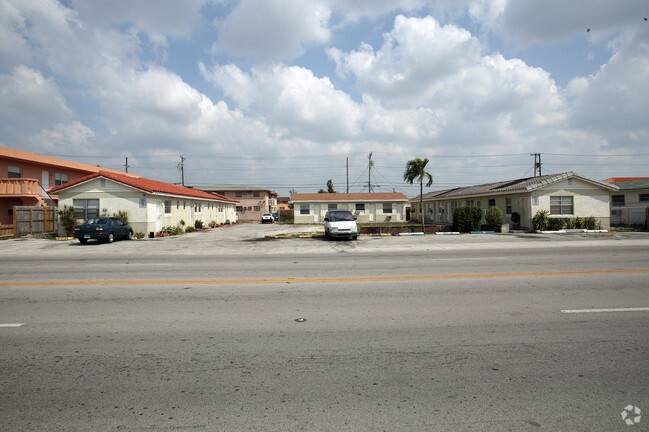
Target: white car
x,y
267,218
340,223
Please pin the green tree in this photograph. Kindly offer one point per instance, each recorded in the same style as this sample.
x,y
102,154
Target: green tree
x,y
330,187
416,171
67,219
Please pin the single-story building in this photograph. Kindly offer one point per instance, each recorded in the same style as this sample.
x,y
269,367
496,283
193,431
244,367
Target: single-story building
x,y
565,195
629,205
149,204
367,207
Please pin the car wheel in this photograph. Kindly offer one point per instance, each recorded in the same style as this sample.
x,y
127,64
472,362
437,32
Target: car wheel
x,y
354,237
130,235
111,237
83,241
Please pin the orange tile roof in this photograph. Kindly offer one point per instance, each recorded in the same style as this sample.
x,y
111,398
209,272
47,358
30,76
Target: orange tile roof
x,y
151,186
381,196
48,160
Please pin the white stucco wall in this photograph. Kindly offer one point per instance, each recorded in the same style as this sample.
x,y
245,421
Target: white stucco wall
x,y
146,212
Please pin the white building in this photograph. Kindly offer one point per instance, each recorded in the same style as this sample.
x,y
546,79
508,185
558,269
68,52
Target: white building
x,y
149,204
565,195
367,207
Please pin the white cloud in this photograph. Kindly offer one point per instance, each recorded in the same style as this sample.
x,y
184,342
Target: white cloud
x,y
613,101
418,55
290,98
74,137
273,29
528,21
28,99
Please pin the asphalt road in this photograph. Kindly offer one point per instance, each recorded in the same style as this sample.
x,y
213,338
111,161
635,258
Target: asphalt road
x,y
230,331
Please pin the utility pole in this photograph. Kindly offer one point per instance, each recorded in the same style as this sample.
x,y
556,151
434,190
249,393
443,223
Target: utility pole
x,y
182,168
126,164
537,163
369,176
347,168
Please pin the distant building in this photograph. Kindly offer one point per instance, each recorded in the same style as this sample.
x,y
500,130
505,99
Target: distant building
x,y
367,207
253,201
629,205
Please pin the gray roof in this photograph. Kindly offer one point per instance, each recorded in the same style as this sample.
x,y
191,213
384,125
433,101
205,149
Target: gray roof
x,y
528,184
633,184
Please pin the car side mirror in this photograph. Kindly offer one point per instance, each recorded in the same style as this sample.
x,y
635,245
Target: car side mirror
x,y
326,219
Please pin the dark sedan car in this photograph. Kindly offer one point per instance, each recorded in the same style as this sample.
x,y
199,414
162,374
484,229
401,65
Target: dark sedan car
x,y
103,229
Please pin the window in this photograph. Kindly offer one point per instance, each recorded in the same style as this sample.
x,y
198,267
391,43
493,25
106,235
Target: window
x,y
85,208
387,208
492,202
14,172
257,208
239,209
332,207
177,205
535,200
508,206
478,204
167,206
617,200
255,194
360,208
469,203
304,209
644,197
238,194
561,205
60,179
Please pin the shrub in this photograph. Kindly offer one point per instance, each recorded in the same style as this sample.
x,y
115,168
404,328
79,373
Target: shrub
x,y
213,224
139,235
591,223
494,218
171,230
541,220
122,215
189,229
182,222
227,222
198,225
579,222
555,224
67,219
466,219
570,223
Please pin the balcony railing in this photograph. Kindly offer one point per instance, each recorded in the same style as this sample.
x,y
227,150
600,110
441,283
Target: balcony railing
x,y
19,187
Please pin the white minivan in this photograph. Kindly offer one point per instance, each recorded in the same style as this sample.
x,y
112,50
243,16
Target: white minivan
x,y
340,223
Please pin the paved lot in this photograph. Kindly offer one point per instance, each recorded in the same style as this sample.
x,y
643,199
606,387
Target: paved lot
x,y
259,239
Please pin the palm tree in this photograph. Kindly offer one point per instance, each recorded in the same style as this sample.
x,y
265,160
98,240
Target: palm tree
x,y
416,170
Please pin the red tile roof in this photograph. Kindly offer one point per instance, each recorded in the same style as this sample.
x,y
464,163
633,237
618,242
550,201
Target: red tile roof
x,y
624,179
151,186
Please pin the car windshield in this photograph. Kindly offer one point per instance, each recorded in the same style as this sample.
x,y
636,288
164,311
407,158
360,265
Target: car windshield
x,y
97,221
340,216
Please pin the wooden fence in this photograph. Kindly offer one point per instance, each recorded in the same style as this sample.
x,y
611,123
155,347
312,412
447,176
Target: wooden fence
x,y
32,220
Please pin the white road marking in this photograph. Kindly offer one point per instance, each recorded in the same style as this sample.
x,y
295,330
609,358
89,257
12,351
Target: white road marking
x,y
637,309
12,325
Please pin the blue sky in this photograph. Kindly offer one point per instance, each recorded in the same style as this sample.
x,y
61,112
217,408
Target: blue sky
x,y
283,93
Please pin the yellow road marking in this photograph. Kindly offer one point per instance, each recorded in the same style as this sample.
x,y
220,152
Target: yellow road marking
x,y
322,280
